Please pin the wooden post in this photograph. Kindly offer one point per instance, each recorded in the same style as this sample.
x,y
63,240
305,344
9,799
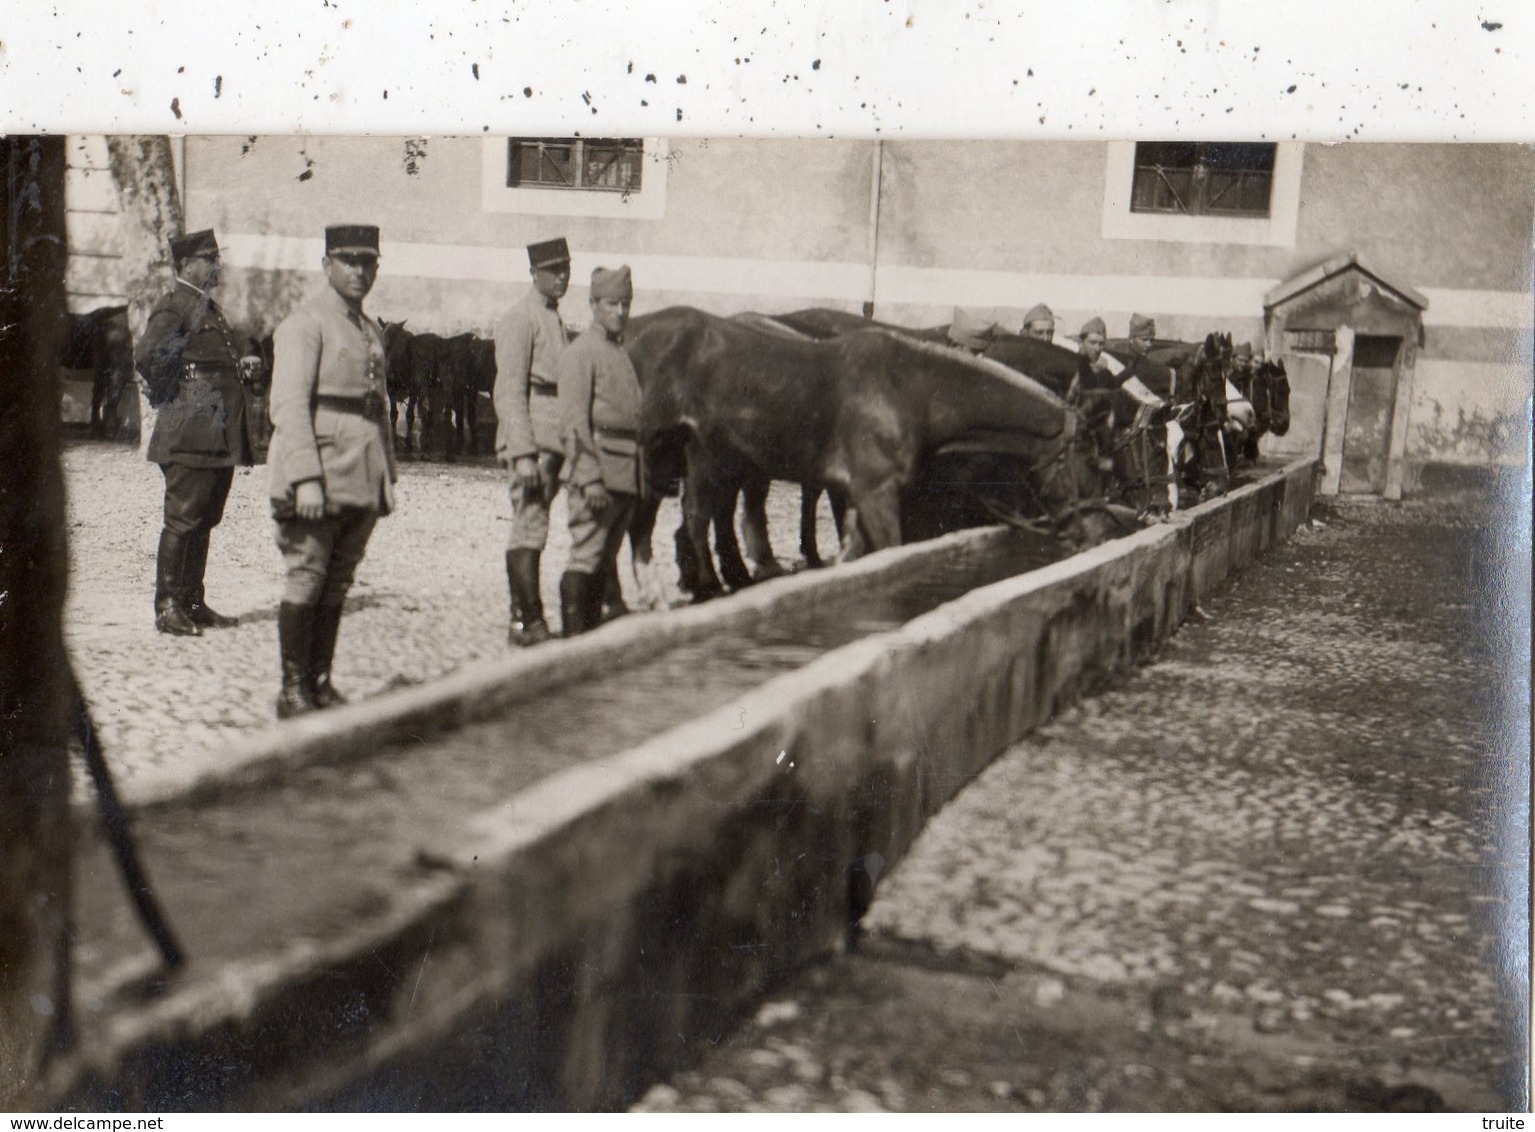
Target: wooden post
x,y
1339,385
1401,409
144,168
35,682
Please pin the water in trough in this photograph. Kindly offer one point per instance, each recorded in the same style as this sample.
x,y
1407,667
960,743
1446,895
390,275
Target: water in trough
x,y
327,847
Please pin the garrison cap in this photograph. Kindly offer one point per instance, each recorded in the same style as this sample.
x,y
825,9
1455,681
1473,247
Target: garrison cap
x,y
970,330
1242,350
1093,326
1140,326
612,284
357,239
1039,313
549,253
193,244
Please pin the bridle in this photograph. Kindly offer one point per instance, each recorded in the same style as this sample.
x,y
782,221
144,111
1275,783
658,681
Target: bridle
x,y
1043,476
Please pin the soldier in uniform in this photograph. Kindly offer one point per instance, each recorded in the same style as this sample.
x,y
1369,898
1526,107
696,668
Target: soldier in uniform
x,y
599,423
332,459
529,342
1096,379
192,364
970,331
1039,323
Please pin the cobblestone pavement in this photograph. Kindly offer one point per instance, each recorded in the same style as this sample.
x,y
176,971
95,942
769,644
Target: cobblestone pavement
x,y
430,597
1284,866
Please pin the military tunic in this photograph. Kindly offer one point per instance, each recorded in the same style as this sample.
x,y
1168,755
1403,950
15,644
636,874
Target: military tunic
x,y
328,360
331,424
190,360
599,429
529,342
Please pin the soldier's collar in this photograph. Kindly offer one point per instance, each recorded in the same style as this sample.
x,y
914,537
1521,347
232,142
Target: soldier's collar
x,y
188,283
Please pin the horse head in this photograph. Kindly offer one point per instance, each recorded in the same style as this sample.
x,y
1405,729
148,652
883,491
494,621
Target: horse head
x,y
1274,384
1062,485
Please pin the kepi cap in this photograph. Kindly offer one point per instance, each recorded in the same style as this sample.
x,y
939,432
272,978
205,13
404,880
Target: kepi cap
x,y
1039,313
355,239
612,284
549,253
193,244
1093,326
970,330
1140,326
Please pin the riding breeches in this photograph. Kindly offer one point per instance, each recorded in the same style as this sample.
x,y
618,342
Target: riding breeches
x,y
321,555
195,497
595,538
530,508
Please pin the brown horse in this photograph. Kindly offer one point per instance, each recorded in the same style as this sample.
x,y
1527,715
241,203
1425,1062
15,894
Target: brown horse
x,y
860,414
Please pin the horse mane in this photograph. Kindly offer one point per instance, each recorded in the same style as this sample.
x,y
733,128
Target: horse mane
x,y
768,324
980,364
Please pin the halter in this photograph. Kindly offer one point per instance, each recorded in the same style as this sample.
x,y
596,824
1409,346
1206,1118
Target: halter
x,y
1045,472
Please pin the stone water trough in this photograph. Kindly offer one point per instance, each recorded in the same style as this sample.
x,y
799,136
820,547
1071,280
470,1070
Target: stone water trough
x,y
547,881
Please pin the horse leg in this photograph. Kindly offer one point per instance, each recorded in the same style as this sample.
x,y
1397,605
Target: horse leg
x,y
809,499
875,522
727,549
754,528
837,497
700,504
642,526
98,398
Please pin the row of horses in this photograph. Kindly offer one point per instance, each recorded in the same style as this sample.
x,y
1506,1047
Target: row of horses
x,y
911,436
908,435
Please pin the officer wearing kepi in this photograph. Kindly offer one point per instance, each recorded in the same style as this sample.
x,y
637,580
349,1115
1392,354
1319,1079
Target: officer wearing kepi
x,y
192,364
599,428
332,460
529,342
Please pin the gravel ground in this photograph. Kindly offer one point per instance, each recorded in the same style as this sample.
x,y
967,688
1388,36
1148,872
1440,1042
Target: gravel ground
x,y
1281,867
429,597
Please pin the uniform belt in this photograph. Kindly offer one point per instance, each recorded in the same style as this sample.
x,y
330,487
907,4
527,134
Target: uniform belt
x,y
209,369
617,433
370,406
545,388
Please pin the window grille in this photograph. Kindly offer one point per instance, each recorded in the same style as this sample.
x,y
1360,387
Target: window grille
x,y
583,164
1203,178
1310,342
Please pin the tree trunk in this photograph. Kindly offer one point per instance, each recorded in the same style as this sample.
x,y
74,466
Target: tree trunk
x,y
35,683
145,174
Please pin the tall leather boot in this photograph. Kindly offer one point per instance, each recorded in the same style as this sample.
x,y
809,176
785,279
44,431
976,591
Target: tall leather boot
x,y
528,624
170,563
192,586
596,606
574,618
322,647
613,606
295,639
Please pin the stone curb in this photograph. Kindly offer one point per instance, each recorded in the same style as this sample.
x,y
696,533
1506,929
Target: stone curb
x,y
597,927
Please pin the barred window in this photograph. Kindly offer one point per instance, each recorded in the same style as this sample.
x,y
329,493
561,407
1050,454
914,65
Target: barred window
x,y
593,164
1299,341
1203,178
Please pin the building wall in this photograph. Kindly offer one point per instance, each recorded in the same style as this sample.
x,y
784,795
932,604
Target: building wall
x,y
733,209
991,226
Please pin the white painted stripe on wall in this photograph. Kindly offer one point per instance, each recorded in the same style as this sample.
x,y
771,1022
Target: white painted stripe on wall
x,y
1151,294
702,274
1481,309
1201,296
